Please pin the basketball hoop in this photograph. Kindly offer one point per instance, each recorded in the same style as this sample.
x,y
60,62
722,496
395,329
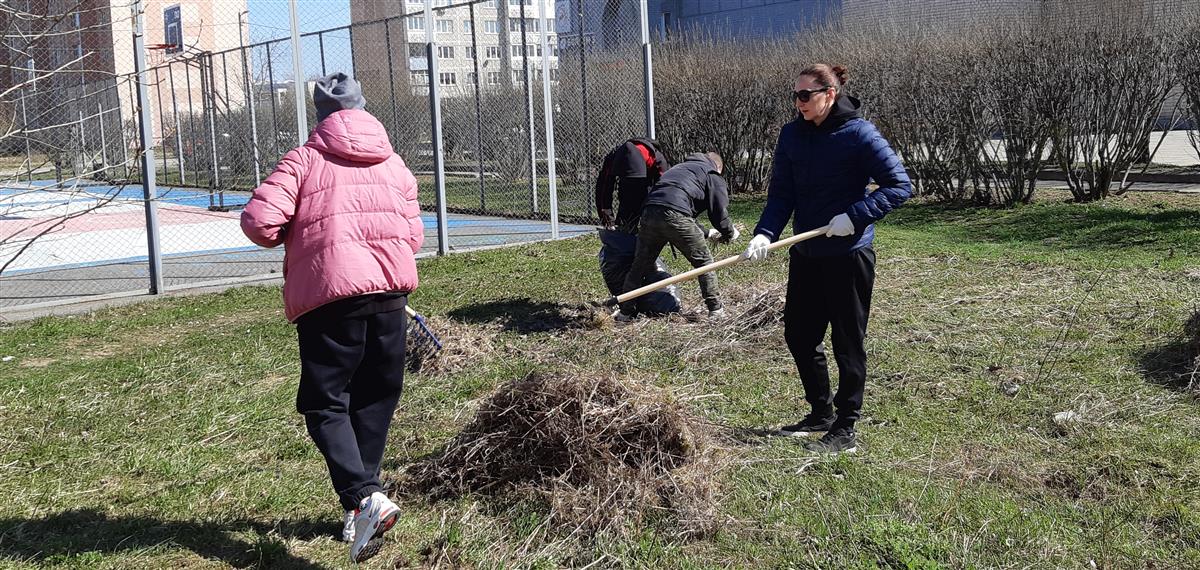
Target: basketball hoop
x,y
158,53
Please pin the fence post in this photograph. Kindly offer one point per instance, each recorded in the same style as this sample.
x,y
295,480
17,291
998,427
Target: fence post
x,y
387,40
103,143
249,82
648,64
209,108
478,105
435,112
583,84
298,76
25,132
533,195
149,191
178,124
548,117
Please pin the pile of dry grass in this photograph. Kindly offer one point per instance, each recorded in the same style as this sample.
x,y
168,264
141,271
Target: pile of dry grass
x,y
462,343
603,454
755,307
1191,332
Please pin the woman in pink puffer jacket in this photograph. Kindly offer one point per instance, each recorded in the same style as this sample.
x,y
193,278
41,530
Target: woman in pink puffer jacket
x,y
345,207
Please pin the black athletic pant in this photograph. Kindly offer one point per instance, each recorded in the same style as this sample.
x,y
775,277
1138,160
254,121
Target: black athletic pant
x,y
352,371
835,292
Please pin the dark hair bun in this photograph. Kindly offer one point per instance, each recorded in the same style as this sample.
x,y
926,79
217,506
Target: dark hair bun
x,y
843,76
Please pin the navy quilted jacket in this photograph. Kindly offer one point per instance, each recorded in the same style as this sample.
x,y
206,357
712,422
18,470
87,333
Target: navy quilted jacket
x,y
822,171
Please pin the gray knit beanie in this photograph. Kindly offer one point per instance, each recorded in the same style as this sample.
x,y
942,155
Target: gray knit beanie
x,y
335,92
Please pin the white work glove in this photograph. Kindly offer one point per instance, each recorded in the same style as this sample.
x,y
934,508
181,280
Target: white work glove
x,y
840,225
713,234
736,234
757,250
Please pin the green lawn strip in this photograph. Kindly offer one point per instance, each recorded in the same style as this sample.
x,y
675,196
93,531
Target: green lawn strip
x,y
165,433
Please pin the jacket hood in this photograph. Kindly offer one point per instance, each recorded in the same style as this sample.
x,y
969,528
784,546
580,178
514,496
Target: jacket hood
x,y
844,109
700,157
352,134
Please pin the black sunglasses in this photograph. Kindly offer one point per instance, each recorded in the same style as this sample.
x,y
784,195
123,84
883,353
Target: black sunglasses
x,y
804,95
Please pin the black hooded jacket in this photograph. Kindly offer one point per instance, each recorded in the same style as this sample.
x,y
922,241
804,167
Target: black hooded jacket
x,y
692,187
628,162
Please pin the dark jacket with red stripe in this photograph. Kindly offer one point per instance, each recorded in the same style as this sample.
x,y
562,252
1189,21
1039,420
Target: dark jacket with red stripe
x,y
638,163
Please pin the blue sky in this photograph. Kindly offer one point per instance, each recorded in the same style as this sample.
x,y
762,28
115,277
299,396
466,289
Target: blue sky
x,y
269,19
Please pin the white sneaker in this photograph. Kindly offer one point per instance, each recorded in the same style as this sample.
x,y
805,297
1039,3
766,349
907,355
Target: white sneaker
x,y
716,315
348,527
375,515
622,317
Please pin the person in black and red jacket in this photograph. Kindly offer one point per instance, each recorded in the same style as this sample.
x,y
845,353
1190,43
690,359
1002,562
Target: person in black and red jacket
x,y
630,170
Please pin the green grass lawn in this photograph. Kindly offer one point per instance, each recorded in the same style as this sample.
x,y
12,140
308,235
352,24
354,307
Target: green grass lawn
x,y
164,434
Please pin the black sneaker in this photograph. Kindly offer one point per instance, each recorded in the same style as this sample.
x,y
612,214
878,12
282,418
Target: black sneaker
x,y
835,441
812,423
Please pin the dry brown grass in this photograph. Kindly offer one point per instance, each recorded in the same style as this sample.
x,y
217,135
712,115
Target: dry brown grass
x,y
462,343
603,454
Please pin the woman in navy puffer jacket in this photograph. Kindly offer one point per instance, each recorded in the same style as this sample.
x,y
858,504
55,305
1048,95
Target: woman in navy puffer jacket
x,y
823,163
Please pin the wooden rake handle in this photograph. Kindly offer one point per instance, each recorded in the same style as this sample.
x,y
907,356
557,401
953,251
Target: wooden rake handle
x,y
710,267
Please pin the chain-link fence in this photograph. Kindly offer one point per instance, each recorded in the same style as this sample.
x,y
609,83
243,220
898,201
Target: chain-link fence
x,y
494,169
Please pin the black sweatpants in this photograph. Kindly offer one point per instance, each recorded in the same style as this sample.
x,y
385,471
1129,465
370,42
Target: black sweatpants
x,y
351,374
835,292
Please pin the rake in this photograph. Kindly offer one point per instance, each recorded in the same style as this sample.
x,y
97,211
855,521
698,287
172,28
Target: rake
x,y
634,294
424,335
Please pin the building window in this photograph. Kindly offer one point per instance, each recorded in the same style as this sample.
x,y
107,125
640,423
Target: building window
x,y
466,26
534,50
531,25
416,2
445,52
416,24
470,78
447,78
518,77
490,27
554,74
549,25
445,26
470,52
493,78
554,49
418,78
493,52
518,2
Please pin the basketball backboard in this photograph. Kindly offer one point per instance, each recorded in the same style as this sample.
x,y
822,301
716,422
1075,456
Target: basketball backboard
x,y
173,28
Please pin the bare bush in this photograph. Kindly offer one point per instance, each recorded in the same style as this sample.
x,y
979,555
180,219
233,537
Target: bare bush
x,y
1112,76
1188,68
709,99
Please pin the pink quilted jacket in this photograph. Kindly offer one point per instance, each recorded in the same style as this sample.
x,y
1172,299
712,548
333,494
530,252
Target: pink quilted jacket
x,y
345,206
